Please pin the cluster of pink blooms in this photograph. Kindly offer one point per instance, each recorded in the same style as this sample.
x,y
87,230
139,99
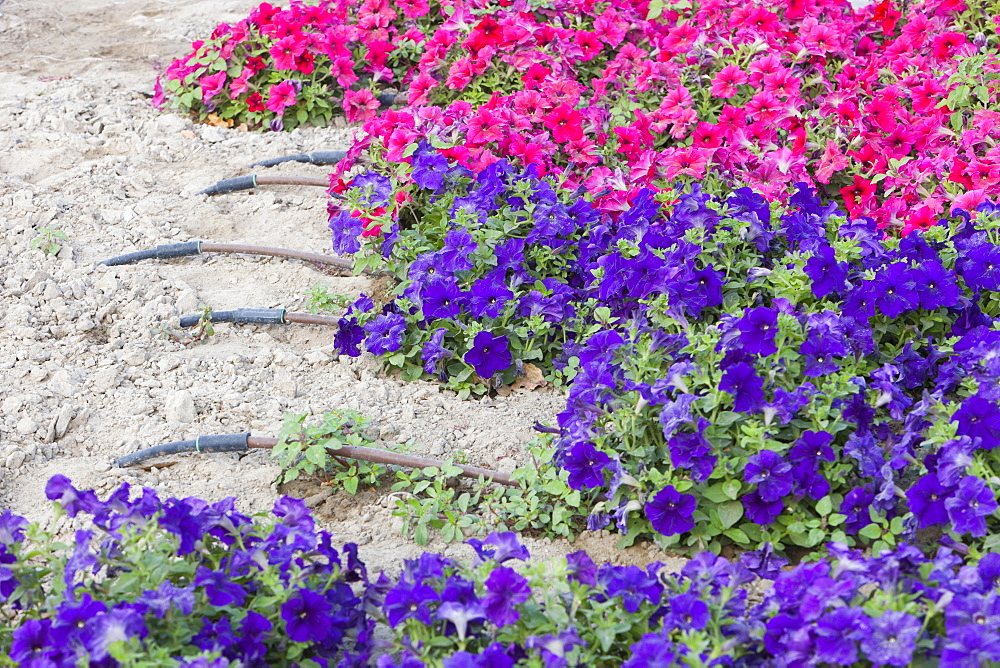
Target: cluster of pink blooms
x,y
730,93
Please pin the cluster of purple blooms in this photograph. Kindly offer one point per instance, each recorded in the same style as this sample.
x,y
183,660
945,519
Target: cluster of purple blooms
x,y
227,590
506,258
881,338
193,583
841,346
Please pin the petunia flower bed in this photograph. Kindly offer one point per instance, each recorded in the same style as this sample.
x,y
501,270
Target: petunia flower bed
x,y
889,109
739,371
187,583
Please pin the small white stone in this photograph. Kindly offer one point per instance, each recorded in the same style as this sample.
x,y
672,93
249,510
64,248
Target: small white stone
x,y
179,406
14,460
26,426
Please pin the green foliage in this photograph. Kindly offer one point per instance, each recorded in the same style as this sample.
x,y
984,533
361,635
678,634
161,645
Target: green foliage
x,y
312,449
431,502
49,240
321,299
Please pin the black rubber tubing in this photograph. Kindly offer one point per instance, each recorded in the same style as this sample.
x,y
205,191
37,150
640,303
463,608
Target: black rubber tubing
x,y
231,185
314,158
243,316
161,252
219,443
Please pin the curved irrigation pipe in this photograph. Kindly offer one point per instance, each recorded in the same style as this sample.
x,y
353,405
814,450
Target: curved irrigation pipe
x,y
183,249
251,181
262,316
245,441
314,158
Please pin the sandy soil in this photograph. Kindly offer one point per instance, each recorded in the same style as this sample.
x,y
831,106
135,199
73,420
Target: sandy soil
x,y
85,376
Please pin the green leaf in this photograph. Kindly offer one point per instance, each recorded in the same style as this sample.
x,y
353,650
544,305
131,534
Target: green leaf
x,y
731,488
730,513
316,454
737,536
351,484
836,519
655,10
871,532
824,506
716,493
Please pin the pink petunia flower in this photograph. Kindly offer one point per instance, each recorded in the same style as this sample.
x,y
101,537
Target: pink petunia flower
x,y
280,96
725,83
360,105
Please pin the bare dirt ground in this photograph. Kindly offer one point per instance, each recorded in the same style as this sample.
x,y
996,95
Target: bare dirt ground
x,y
84,376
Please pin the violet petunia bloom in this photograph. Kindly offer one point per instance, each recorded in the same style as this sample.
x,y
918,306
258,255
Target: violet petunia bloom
x,y
505,591
970,505
892,638
307,616
747,388
671,512
489,354
385,333
585,463
758,328
771,473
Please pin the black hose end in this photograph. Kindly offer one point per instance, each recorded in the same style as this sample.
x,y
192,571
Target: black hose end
x,y
129,258
271,162
326,157
219,443
231,185
242,316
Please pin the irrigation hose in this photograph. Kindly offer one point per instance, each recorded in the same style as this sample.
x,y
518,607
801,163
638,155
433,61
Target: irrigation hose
x,y
245,441
252,181
262,316
314,158
186,248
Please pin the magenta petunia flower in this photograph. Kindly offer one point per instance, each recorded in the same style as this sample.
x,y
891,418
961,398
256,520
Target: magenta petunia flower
x,y
280,96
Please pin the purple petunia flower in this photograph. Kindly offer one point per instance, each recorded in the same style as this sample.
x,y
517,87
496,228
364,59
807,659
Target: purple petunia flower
x,y
489,354
771,473
813,445
979,418
935,285
634,585
507,547
12,528
758,328
307,616
764,563
671,512
760,511
32,639
654,649
926,498
219,589
981,267
828,276
429,167
895,290
747,388
434,350
836,634
168,595
441,298
892,638
970,505
489,296
385,334
406,600
693,451
505,590
687,612
585,463
61,490
581,568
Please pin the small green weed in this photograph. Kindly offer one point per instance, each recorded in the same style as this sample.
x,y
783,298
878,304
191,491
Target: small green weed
x,y
49,240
